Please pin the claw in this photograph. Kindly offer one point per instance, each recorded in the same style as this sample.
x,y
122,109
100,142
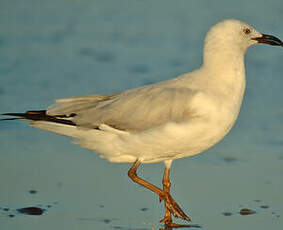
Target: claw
x,y
174,208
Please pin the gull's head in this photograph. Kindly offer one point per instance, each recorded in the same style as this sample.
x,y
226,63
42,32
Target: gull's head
x,y
236,35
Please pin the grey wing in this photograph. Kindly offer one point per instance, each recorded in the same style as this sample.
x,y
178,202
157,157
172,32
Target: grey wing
x,y
132,110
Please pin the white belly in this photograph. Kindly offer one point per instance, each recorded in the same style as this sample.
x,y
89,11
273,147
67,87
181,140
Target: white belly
x,y
172,141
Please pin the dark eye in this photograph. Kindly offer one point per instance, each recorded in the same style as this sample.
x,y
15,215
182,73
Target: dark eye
x,y
247,31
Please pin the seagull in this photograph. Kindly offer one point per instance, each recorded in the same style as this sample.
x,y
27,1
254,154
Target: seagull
x,y
161,122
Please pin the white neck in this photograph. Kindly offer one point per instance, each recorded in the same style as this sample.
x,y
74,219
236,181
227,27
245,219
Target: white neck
x,y
226,71
225,64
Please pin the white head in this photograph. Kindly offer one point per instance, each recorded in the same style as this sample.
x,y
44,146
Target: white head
x,y
234,37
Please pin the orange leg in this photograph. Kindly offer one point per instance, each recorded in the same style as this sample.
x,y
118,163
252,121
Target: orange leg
x,y
171,207
132,173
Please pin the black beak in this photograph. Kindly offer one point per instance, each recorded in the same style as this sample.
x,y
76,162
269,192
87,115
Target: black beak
x,y
269,39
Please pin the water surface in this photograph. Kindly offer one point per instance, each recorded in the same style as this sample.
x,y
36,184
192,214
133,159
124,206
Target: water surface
x,y
57,48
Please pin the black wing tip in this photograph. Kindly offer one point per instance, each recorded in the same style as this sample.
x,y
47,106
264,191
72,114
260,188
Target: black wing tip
x,y
39,115
9,114
16,116
37,112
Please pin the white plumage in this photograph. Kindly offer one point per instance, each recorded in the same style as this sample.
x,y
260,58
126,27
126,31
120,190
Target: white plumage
x,y
168,120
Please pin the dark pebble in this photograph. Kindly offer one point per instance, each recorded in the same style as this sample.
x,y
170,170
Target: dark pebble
x,y
35,211
32,191
227,213
106,221
144,209
11,215
6,209
264,206
246,211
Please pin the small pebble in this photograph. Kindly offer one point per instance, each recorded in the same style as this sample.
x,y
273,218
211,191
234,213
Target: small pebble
x,y
227,213
32,191
106,221
264,206
35,211
246,211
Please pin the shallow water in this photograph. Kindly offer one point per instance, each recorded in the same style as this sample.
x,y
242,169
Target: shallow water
x,y
52,49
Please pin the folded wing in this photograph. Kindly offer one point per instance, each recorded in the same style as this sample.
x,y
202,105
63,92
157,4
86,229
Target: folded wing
x,y
131,110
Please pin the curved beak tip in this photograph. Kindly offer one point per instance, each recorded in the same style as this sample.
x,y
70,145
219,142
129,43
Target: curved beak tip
x,y
269,39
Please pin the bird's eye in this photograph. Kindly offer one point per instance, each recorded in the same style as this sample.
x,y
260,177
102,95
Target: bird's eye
x,y
247,31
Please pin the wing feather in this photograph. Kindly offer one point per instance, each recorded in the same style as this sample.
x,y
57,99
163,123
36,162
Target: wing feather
x,y
131,110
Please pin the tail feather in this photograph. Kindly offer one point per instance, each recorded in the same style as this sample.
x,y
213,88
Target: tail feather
x,y
40,115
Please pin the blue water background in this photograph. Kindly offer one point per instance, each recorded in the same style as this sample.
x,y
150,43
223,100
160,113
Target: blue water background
x,y
61,48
